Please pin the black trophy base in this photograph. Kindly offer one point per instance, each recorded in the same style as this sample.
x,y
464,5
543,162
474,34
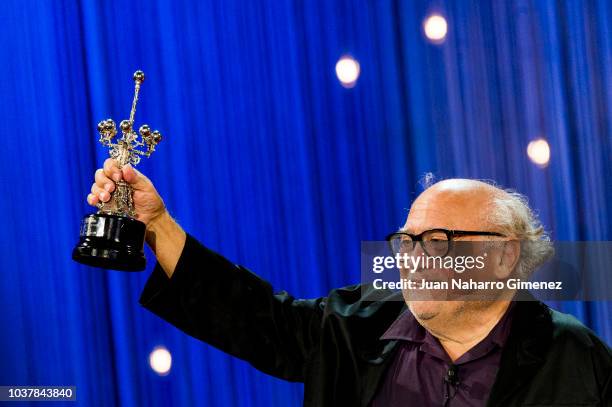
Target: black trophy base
x,y
111,242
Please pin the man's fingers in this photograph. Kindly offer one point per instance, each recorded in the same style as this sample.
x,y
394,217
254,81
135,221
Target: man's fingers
x,y
103,181
129,174
111,170
134,177
102,194
92,199
106,177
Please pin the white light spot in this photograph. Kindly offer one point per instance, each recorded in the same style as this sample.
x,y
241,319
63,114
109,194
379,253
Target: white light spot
x,y
539,152
160,360
347,71
435,28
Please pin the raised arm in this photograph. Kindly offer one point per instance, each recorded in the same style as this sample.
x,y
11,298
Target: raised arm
x,y
212,299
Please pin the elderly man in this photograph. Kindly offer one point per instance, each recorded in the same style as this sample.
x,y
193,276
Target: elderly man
x,y
350,350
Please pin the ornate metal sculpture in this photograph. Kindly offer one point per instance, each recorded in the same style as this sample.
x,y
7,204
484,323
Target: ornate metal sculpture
x,y
112,238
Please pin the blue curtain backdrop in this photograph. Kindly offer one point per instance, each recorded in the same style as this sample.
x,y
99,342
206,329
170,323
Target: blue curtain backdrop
x,y
267,159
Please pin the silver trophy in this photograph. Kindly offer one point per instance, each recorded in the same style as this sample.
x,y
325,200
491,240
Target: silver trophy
x,y
112,238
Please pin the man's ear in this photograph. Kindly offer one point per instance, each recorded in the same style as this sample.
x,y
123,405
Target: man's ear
x,y
510,254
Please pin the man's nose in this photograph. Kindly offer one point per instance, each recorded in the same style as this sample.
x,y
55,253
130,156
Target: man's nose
x,y
418,249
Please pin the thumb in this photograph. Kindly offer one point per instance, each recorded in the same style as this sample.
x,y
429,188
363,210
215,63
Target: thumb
x,y
133,177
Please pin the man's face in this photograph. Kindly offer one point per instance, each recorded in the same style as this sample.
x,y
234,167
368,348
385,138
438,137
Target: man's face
x,y
453,205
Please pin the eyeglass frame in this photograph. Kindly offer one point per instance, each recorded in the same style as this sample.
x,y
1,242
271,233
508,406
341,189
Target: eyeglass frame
x,y
450,235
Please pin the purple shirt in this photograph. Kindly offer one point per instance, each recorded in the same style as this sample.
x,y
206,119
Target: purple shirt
x,y
417,375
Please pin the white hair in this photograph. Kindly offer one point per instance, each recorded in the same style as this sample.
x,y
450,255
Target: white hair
x,y
515,217
512,214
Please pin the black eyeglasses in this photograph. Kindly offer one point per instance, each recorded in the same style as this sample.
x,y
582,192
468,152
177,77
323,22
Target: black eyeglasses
x,y
435,242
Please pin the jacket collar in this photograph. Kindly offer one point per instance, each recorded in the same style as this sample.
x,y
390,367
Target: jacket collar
x,y
529,339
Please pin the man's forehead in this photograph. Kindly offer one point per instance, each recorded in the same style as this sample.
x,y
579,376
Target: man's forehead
x,y
449,208
424,217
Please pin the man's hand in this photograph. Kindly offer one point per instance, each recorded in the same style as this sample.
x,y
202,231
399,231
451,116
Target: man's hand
x,y
147,202
164,235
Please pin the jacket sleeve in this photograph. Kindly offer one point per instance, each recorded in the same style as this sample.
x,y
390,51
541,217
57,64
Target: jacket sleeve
x,y
227,306
602,360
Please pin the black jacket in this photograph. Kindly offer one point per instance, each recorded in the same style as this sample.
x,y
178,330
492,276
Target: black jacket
x,y
332,344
